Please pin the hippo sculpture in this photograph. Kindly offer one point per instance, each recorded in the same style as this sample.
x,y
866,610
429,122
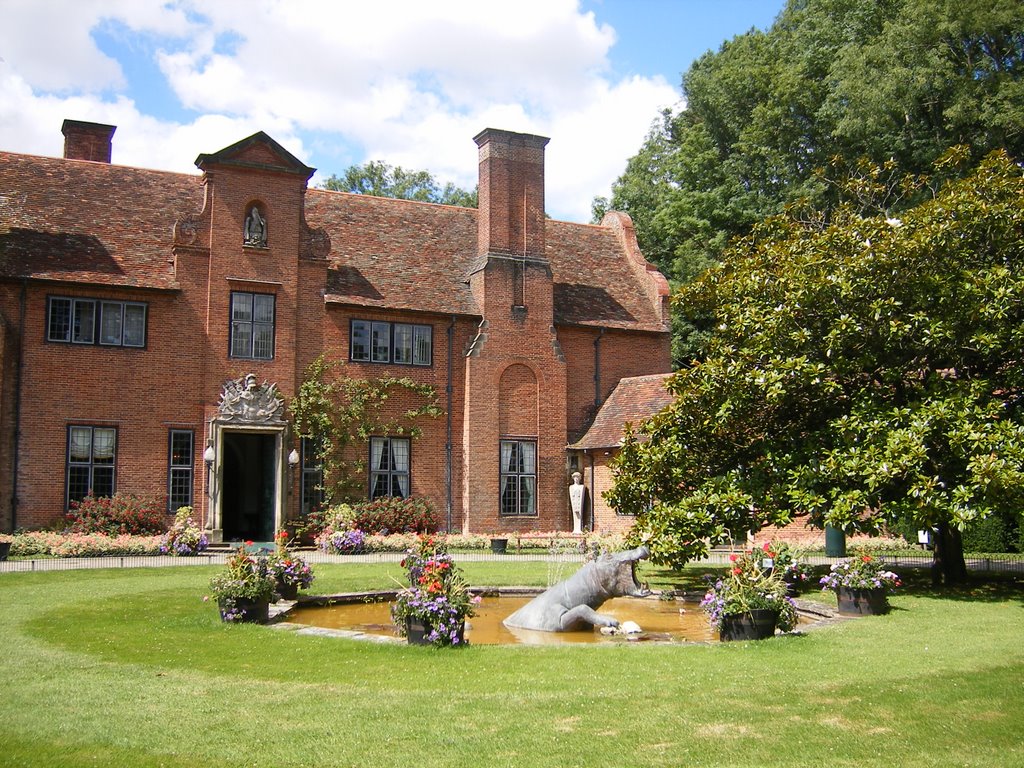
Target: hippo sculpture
x,y
572,603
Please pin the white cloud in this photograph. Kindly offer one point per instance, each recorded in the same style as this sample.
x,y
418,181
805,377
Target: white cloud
x,y
407,81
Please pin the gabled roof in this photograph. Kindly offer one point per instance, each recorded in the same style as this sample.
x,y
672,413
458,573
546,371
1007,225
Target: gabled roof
x,y
410,255
103,224
633,400
259,152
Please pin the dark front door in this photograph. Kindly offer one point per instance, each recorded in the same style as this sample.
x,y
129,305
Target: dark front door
x,y
249,487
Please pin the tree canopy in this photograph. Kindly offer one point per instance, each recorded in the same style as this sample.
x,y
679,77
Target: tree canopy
x,y
382,180
897,81
861,370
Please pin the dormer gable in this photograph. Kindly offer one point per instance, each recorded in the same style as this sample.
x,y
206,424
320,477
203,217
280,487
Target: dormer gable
x,y
257,152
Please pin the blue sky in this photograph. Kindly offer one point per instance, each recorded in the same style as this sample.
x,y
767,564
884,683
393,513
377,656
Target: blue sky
x,y
339,82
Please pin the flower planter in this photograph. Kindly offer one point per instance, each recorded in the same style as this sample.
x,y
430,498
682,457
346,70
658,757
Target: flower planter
x,y
243,610
499,546
862,602
5,549
417,632
753,625
287,591
792,585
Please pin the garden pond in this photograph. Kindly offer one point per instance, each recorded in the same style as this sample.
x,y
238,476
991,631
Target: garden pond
x,y
662,621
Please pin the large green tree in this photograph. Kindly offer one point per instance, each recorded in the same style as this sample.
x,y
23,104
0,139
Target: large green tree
x,y
383,180
889,80
862,370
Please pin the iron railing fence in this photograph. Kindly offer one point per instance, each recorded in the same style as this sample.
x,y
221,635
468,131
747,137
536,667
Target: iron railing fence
x,y
989,563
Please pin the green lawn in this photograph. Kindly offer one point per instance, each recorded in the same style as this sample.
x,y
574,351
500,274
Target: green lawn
x,y
132,668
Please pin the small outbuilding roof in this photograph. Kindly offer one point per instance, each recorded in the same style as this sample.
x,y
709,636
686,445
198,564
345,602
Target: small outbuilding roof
x,y
633,400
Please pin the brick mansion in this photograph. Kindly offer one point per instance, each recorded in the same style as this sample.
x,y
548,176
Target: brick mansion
x,y
154,327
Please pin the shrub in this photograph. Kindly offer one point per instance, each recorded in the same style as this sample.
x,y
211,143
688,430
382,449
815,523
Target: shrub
x,y
184,537
392,514
117,515
992,534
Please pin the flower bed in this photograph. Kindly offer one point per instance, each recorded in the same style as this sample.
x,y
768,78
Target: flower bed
x,y
53,544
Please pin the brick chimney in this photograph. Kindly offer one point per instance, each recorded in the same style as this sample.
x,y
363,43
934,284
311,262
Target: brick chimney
x,y
87,141
511,194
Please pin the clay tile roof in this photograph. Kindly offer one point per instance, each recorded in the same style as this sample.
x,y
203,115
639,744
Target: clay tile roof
x,y
78,221
633,399
396,253
410,255
97,223
594,284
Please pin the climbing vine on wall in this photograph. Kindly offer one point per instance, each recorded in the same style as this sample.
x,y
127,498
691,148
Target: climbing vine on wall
x,y
340,413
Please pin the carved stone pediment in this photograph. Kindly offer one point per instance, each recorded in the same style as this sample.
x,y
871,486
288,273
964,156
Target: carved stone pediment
x,y
244,401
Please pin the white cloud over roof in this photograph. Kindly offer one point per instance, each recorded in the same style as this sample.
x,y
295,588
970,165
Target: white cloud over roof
x,y
408,82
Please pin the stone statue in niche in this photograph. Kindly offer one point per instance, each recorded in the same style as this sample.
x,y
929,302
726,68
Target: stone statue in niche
x,y
244,400
255,229
577,494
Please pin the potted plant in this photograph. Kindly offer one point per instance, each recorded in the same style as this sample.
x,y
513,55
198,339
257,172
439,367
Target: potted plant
x,y
184,537
750,601
291,573
786,561
861,584
5,545
342,542
433,609
244,590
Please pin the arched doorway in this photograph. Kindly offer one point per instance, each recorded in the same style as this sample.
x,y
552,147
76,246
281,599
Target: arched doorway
x,y
249,489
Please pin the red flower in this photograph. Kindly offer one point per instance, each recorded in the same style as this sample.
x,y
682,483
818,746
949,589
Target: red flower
x,y
248,543
737,571
866,558
732,558
766,547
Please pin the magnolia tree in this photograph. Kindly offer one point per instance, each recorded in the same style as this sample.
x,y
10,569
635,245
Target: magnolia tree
x,y
862,371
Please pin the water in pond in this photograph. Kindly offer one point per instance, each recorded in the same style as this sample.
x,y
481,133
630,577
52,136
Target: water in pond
x,y
661,620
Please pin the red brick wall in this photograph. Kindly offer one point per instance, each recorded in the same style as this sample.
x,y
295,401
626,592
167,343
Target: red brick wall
x,y
522,378
8,381
141,392
621,354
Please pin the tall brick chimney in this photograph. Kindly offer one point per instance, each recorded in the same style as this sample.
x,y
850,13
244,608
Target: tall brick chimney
x,y
511,194
87,141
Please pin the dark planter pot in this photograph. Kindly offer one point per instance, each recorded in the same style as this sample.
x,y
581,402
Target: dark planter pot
x,y
861,602
417,632
499,546
755,625
287,591
5,550
792,585
247,611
